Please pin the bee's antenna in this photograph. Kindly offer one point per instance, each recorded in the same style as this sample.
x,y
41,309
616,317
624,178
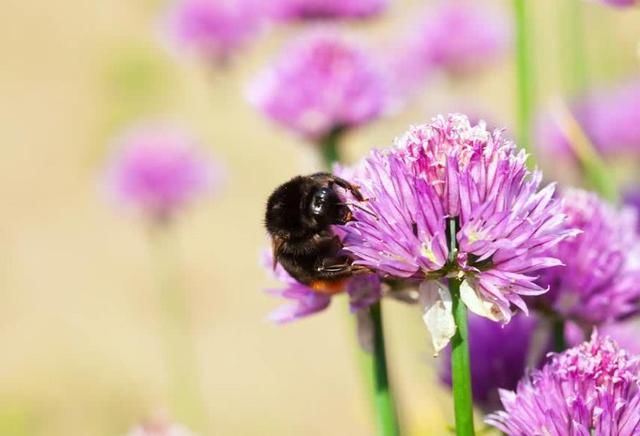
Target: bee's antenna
x,y
357,206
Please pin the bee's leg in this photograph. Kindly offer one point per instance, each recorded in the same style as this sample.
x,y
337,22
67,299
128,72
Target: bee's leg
x,y
331,179
334,268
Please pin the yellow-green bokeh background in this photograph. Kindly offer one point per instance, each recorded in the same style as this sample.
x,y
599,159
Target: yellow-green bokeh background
x,y
79,320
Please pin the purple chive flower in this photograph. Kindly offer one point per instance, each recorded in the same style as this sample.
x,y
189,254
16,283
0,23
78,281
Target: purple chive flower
x,y
599,282
301,10
610,118
498,357
460,37
159,169
591,389
319,84
505,226
212,29
363,291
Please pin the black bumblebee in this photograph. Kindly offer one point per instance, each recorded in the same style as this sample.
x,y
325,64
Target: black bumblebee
x,y
299,217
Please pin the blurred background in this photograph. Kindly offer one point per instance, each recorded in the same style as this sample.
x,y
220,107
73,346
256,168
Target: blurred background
x,y
80,321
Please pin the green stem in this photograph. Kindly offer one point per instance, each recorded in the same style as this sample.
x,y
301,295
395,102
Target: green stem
x,y
329,147
559,342
460,360
575,53
525,75
185,393
385,409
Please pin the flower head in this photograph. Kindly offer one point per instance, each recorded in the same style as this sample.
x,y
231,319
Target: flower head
x,y
588,389
599,282
290,10
212,29
461,37
449,174
319,84
610,118
498,357
159,169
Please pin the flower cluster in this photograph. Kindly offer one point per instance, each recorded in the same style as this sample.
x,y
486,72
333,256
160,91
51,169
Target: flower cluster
x,y
589,389
212,29
599,282
498,357
290,10
319,84
159,169
610,119
450,183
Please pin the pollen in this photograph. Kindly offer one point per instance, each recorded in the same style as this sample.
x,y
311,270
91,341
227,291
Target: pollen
x,y
328,287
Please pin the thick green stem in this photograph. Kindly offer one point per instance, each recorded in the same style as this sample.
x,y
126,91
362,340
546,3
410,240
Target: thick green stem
x,y
385,409
460,361
185,393
525,74
559,342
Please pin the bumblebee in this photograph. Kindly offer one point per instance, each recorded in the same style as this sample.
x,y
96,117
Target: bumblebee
x,y
298,218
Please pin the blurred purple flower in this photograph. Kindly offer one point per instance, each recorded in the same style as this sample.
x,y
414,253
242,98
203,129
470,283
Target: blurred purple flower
x,y
599,282
621,3
610,118
591,389
159,169
319,84
363,291
212,29
294,10
498,357
449,169
460,37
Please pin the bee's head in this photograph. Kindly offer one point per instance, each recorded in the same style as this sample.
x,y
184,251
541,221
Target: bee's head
x,y
303,207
